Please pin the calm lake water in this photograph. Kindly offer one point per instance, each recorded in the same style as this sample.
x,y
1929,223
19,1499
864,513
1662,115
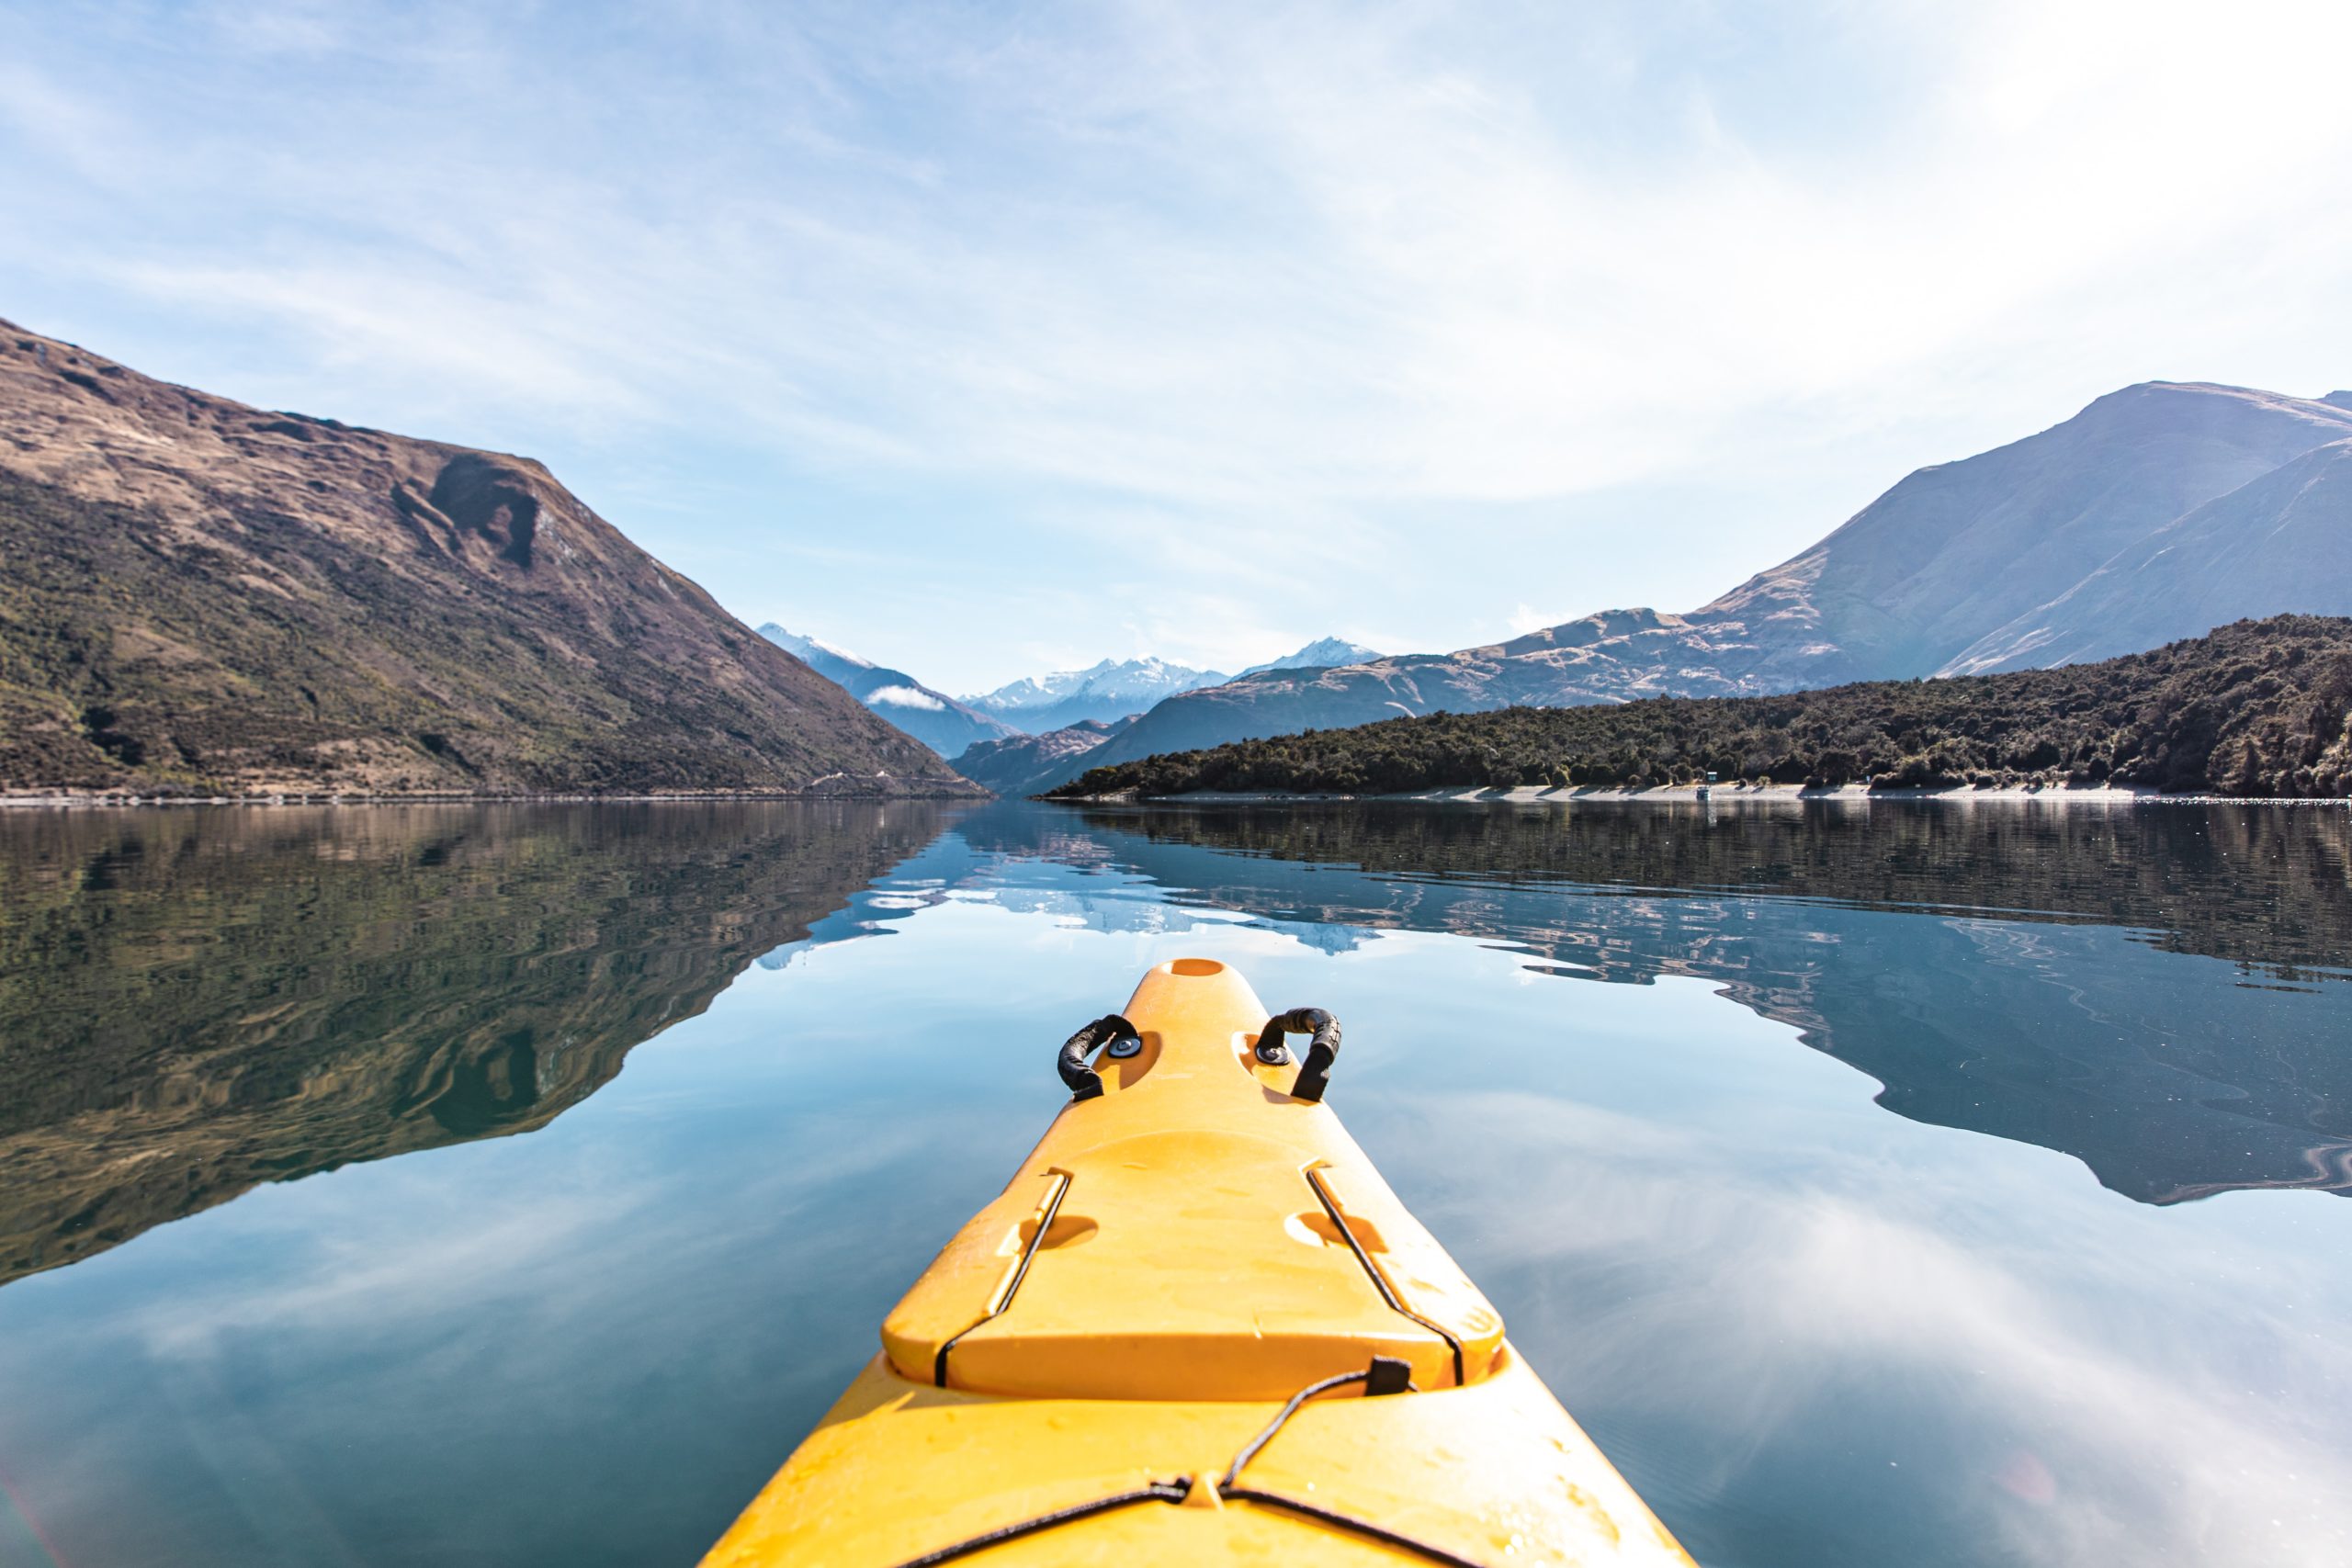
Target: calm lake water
x,y
1879,1183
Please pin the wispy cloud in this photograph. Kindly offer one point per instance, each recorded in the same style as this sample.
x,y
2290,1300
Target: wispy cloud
x,y
1302,287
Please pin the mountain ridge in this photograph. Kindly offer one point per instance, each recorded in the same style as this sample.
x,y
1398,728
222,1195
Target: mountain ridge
x,y
204,597
941,722
2213,560
1105,691
1943,560
1023,764
2255,708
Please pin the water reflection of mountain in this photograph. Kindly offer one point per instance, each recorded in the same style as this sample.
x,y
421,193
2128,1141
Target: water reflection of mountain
x,y
2034,974
192,1003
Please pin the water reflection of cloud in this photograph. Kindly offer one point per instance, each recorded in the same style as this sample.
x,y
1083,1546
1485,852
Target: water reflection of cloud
x,y
2011,1372
439,1249
590,1313
1080,897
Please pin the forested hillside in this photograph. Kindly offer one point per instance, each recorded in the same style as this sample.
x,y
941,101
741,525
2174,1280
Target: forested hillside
x,y
2157,513
2255,708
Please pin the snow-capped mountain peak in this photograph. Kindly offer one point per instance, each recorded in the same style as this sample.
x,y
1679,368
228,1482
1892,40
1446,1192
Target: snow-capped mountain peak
x,y
1323,653
1106,690
813,650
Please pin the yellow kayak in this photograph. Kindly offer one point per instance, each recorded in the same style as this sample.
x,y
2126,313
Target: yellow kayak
x,y
1197,1329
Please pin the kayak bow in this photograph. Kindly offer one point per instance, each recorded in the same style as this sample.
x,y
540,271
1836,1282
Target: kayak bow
x,y
1196,1329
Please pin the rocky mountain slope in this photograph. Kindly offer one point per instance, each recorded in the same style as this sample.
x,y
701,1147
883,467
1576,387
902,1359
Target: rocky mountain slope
x,y
1109,690
1027,763
2283,539
202,597
1955,551
2159,511
937,719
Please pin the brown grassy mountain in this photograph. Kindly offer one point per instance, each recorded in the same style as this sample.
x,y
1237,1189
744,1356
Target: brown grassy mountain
x,y
351,985
200,597
2164,510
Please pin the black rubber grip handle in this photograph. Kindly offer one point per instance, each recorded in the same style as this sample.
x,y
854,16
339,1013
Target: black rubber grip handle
x,y
1084,1082
1314,1074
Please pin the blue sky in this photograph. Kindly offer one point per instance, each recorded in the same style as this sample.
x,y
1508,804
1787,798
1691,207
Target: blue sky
x,y
990,339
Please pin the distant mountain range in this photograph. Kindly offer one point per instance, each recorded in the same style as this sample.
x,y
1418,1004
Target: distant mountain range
x,y
2157,512
1005,753
202,597
2255,708
1102,691
1116,689
937,719
1025,764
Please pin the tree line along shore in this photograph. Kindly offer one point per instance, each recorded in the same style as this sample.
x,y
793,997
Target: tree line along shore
x,y
2257,708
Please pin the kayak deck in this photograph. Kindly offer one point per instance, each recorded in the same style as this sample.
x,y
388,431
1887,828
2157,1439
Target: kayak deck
x,y
1196,1241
